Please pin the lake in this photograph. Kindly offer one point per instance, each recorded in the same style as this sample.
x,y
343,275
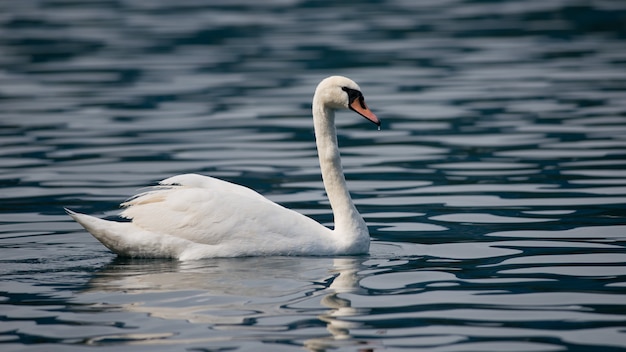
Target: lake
x,y
495,191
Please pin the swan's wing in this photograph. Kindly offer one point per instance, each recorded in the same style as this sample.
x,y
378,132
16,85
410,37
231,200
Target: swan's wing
x,y
210,211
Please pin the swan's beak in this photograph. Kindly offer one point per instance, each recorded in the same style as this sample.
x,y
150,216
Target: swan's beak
x,y
358,105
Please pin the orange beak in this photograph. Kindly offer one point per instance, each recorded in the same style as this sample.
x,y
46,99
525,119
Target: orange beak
x,y
358,105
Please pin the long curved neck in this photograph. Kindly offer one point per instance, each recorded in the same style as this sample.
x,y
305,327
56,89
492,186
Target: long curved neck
x,y
348,221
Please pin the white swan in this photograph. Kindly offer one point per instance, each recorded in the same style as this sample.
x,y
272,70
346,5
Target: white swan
x,y
192,216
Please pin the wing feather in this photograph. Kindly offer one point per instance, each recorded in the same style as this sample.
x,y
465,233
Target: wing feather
x,y
211,211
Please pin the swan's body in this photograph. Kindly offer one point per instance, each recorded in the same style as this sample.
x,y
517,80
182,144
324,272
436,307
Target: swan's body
x,y
192,216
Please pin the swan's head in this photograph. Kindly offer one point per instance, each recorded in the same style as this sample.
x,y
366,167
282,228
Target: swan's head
x,y
337,92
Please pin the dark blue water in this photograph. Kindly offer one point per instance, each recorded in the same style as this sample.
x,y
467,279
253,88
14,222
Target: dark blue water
x,y
495,192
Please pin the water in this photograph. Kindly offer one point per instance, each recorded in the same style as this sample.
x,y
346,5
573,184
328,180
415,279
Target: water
x,y
495,191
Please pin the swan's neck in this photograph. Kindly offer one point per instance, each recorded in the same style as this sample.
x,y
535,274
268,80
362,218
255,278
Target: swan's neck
x,y
348,221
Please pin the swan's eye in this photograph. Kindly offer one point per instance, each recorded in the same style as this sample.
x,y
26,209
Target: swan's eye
x,y
352,94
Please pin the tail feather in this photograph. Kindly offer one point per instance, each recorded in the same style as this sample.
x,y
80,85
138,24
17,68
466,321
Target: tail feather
x,y
128,240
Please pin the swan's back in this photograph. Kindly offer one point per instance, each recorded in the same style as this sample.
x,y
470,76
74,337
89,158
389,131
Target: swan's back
x,y
200,209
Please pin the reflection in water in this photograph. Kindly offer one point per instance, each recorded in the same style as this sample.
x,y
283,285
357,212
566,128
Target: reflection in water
x,y
345,281
233,295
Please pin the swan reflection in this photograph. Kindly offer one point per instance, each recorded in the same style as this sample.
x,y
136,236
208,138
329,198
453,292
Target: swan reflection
x,y
345,281
240,298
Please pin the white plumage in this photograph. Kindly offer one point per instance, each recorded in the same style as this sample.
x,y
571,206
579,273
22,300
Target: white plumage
x,y
192,216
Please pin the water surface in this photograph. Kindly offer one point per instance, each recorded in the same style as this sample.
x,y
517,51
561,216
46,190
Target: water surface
x,y
495,191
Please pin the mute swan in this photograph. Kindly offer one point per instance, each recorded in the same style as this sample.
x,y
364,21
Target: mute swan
x,y
191,216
